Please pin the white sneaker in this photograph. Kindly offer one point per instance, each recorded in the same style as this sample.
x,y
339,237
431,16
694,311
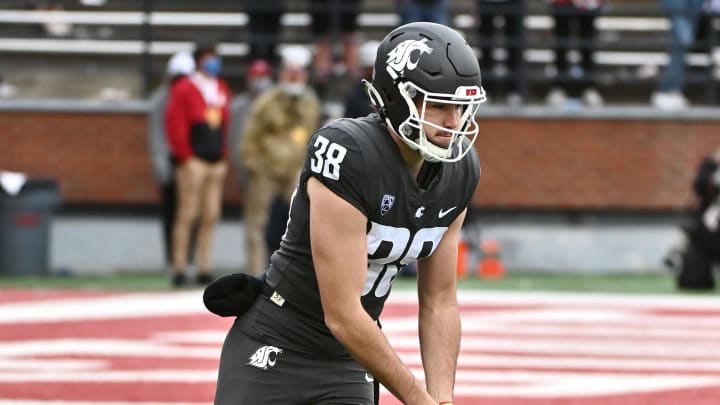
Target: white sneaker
x,y
592,98
514,99
556,98
669,101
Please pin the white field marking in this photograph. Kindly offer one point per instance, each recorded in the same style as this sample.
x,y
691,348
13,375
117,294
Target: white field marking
x,y
584,316
553,384
117,376
535,377
532,357
468,382
119,306
579,385
190,302
523,321
589,364
104,347
557,315
524,298
51,364
477,325
54,402
574,384
210,337
572,346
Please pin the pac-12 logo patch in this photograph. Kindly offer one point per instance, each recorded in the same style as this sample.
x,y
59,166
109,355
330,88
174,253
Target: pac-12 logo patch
x,y
264,357
401,57
387,203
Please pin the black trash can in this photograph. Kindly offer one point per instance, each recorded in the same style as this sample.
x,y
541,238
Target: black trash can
x,y
25,220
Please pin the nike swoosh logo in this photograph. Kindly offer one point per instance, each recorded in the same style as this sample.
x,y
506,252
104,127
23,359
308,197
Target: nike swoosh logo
x,y
369,378
442,213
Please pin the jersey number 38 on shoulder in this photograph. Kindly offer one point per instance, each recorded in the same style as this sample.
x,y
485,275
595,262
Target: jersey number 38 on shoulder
x,y
327,158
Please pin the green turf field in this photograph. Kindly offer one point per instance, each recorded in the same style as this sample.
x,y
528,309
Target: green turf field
x,y
643,283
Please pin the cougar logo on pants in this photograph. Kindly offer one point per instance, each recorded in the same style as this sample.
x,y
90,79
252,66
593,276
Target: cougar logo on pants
x,y
264,357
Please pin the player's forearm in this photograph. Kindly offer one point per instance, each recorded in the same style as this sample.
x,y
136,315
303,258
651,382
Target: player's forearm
x,y
369,346
439,330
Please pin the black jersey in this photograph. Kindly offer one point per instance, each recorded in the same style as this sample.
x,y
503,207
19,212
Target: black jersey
x,y
358,160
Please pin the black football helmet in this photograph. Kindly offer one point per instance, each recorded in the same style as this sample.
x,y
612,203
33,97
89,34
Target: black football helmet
x,y
431,61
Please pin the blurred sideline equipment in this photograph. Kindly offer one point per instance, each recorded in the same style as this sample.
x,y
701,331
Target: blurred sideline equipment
x,y
692,259
26,212
490,267
462,259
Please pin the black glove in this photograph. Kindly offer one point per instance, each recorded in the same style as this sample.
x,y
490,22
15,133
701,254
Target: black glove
x,y
232,295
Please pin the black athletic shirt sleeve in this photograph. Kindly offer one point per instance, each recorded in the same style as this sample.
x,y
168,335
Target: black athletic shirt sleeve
x,y
335,159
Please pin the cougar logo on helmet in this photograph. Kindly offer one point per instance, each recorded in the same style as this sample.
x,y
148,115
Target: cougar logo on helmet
x,y
399,58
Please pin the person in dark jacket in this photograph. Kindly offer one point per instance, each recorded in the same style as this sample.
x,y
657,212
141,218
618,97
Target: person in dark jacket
x,y
698,252
357,103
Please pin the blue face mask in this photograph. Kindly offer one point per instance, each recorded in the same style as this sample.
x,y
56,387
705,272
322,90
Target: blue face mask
x,y
212,66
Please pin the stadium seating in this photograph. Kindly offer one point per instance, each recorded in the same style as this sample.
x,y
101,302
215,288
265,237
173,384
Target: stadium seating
x,y
82,49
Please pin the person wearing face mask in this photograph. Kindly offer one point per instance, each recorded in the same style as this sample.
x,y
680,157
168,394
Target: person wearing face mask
x,y
258,79
259,75
197,118
272,148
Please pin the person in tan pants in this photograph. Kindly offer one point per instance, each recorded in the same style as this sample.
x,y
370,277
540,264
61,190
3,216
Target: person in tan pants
x,y
200,186
273,148
196,120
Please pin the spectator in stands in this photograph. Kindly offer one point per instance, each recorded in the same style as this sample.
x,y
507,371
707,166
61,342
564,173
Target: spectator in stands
x,y
264,24
179,66
512,13
7,90
423,10
197,119
332,19
683,15
55,24
357,103
575,18
258,79
273,147
707,37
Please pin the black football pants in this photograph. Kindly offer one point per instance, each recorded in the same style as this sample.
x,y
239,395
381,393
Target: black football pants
x,y
254,373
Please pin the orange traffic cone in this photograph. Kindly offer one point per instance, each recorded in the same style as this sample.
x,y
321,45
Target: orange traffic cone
x,y
491,267
462,258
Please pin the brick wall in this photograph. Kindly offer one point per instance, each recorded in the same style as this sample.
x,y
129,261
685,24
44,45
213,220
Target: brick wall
x,y
546,163
597,163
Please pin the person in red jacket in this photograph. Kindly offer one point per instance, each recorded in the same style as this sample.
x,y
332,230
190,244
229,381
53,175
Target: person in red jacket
x,y
196,122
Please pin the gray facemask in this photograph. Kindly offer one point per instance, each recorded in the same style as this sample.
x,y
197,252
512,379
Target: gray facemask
x,y
293,89
259,85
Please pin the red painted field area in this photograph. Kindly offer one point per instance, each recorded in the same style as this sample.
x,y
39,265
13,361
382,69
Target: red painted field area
x,y
162,348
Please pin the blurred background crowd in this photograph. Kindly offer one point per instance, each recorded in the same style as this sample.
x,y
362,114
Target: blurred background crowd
x,y
566,53
258,77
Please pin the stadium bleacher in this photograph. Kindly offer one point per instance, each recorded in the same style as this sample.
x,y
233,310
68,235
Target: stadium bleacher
x,y
80,50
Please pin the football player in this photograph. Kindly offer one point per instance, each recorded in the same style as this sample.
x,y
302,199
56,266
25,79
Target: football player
x,y
375,193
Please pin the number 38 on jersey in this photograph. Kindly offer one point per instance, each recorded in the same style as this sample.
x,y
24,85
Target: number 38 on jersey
x,y
327,158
